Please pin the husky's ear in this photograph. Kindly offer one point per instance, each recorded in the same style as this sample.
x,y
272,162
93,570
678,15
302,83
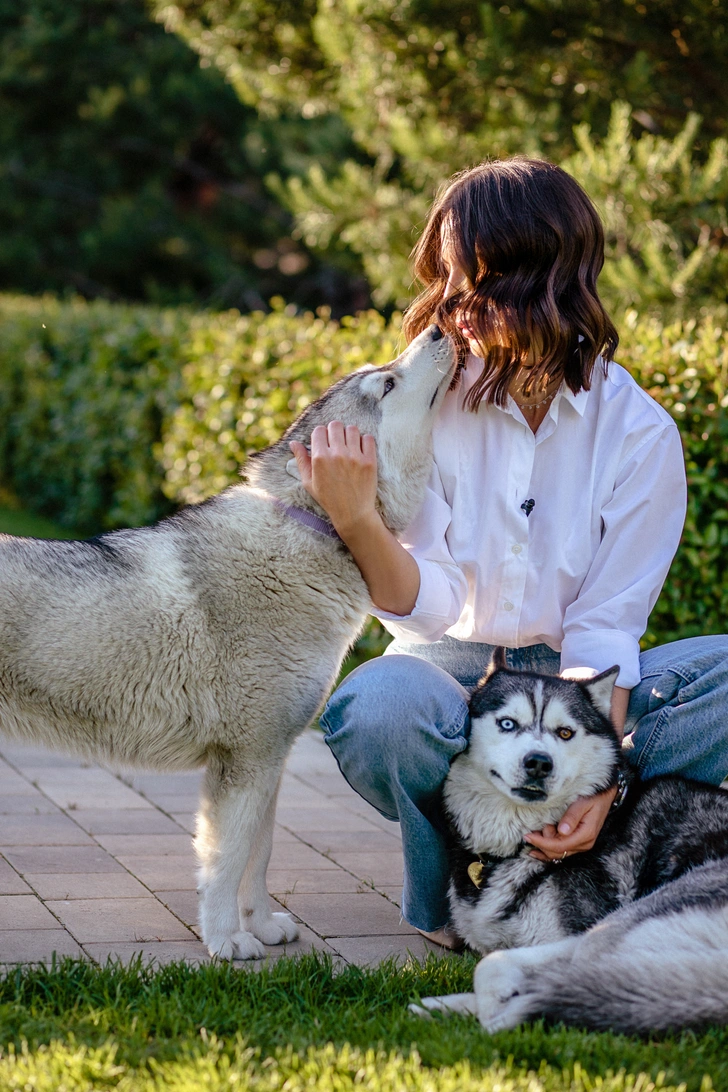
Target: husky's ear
x,y
600,689
497,663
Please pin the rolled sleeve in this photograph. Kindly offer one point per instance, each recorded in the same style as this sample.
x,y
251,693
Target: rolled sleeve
x,y
642,523
435,610
600,649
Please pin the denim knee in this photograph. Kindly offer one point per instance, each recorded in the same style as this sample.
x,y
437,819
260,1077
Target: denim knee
x,y
678,713
394,725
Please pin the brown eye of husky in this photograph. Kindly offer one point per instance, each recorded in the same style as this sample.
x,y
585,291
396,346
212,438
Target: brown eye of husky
x,y
388,385
565,733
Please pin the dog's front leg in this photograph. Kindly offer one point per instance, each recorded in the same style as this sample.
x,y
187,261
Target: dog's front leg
x,y
464,1004
253,901
230,816
503,982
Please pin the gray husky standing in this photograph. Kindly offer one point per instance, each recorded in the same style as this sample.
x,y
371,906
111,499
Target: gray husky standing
x,y
213,637
630,936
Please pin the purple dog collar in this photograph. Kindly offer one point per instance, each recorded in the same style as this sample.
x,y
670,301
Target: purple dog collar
x,y
308,519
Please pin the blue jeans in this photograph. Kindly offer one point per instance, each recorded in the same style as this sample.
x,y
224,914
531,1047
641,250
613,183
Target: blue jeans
x,y
396,723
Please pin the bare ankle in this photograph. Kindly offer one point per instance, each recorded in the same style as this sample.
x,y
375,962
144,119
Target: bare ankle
x,y
445,937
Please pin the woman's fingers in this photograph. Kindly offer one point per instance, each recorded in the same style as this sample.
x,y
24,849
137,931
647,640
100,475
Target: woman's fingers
x,y
577,831
341,473
303,461
319,440
342,440
575,813
369,447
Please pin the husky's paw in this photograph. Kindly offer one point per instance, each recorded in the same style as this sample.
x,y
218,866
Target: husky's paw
x,y
511,1015
500,985
276,929
463,1003
241,945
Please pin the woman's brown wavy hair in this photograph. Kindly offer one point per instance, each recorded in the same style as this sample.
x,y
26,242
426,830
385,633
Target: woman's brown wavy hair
x,y
531,244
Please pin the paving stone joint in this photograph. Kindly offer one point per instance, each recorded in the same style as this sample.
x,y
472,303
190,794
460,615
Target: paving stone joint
x,y
98,864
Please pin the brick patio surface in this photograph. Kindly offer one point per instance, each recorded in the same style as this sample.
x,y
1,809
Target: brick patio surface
x,y
95,864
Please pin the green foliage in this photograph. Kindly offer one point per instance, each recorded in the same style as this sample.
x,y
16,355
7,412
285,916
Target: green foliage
x,y
664,213
129,171
246,377
684,366
114,414
84,389
428,87
433,69
304,1026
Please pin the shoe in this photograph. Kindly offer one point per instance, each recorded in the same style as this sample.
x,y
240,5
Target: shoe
x,y
445,937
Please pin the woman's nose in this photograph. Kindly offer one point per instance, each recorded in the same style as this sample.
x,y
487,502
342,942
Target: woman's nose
x,y
450,289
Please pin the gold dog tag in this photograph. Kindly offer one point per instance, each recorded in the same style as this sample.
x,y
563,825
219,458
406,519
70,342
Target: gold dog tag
x,y
475,871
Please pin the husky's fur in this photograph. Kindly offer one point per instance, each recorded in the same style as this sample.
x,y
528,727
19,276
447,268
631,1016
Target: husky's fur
x,y
213,637
631,936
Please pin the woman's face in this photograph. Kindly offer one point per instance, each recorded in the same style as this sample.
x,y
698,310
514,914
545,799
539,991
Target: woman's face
x,y
457,281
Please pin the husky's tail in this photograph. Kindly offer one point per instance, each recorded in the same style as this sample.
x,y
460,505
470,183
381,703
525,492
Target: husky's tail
x,y
659,964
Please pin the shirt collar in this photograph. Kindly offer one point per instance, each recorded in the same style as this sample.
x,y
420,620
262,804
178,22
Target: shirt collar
x,y
578,401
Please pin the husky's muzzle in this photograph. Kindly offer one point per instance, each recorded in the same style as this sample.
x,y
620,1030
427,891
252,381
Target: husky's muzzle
x,y
537,767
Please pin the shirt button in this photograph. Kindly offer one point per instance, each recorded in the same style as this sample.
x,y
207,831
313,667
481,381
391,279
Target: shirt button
x,y
508,606
516,549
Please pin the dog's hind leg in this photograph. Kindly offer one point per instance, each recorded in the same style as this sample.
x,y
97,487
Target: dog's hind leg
x,y
234,804
253,901
663,973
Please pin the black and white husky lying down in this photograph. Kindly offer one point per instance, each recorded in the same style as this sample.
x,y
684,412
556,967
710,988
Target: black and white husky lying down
x,y
631,936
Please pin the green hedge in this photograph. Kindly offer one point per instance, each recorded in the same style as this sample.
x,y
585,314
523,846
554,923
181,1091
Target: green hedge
x,y
114,414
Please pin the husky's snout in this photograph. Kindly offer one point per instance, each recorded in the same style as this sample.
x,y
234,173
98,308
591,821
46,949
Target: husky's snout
x,y
537,766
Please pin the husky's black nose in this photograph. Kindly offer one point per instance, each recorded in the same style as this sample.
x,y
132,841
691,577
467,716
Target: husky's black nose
x,y
537,765
437,333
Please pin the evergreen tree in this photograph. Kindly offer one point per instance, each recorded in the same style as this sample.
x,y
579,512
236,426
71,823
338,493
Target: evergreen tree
x,y
427,87
129,171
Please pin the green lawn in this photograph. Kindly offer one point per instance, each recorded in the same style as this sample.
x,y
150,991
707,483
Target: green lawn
x,y
304,1026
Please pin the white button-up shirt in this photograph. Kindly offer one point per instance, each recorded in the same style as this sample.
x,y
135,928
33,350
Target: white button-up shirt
x,y
582,572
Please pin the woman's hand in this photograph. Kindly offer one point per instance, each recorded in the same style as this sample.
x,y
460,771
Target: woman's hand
x,y
577,830
340,473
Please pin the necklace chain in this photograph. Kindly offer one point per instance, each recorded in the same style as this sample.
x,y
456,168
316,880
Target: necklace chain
x,y
544,400
535,405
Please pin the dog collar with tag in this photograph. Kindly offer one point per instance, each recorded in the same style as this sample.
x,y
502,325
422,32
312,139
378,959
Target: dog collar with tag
x,y
475,871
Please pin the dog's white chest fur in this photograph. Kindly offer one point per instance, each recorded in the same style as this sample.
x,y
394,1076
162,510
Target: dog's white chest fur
x,y
498,919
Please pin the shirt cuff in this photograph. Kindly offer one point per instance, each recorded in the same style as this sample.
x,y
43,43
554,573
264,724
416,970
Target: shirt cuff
x,y
601,649
430,616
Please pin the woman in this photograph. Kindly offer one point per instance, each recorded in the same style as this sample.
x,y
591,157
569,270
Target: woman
x,y
555,507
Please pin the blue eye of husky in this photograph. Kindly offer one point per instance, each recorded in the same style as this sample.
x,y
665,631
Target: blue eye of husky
x,y
506,724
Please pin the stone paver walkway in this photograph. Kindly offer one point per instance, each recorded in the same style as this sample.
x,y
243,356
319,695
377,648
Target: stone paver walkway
x,y
96,864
